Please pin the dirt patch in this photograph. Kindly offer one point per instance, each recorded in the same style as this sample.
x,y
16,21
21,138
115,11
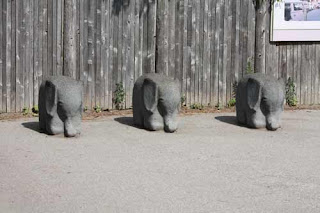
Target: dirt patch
x,y
185,111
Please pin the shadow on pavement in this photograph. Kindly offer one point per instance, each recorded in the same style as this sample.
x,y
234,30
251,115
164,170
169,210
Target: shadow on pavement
x,y
229,120
127,121
33,126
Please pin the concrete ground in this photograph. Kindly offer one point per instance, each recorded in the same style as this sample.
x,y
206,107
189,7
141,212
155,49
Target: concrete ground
x,y
209,165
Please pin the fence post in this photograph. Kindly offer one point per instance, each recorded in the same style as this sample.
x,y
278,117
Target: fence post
x,y
260,38
69,38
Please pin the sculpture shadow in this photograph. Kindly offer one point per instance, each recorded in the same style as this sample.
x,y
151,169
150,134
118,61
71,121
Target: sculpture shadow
x,y
34,125
127,121
229,120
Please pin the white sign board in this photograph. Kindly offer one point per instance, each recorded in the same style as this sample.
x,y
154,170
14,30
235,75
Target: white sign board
x,y
295,20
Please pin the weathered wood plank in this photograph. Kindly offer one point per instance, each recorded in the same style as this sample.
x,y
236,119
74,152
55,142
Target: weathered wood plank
x,y
131,62
305,68
13,58
235,55
137,35
104,51
221,63
91,53
69,40
45,68
59,39
197,9
111,52
98,71
200,53
260,33
84,49
207,52
162,38
119,76
28,62
317,76
313,74
171,38
8,61
223,70
193,53
188,51
50,31
151,34
125,49
229,37
54,22
18,55
251,24
2,50
213,54
36,58
317,70
217,51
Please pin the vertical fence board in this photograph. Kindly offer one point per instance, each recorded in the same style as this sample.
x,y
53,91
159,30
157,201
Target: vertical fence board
x,y
36,61
2,51
98,71
8,63
213,66
188,59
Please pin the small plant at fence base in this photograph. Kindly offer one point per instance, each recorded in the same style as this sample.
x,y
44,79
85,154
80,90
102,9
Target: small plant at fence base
x,y
183,100
35,109
85,109
291,96
232,102
196,106
97,109
119,95
219,106
25,110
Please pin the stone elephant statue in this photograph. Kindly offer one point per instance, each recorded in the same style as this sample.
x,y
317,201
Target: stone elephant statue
x,y
156,102
60,106
260,101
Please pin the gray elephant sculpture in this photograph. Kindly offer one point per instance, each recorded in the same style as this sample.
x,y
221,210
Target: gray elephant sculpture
x,y
156,102
260,101
60,106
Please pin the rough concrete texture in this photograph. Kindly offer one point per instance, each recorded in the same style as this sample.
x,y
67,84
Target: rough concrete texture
x,y
156,101
209,165
260,100
60,106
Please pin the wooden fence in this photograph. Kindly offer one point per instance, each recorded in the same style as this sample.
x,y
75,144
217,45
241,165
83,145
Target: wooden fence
x,y
206,44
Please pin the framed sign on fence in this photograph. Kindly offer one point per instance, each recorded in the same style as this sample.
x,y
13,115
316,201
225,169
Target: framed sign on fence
x,y
295,20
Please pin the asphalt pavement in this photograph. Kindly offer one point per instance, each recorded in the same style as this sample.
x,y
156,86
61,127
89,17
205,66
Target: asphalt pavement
x,y
210,165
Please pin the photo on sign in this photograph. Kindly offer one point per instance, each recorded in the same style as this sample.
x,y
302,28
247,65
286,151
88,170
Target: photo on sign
x,y
302,11
295,20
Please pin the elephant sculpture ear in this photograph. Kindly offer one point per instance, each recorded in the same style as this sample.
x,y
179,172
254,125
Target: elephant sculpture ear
x,y
51,98
150,94
253,93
